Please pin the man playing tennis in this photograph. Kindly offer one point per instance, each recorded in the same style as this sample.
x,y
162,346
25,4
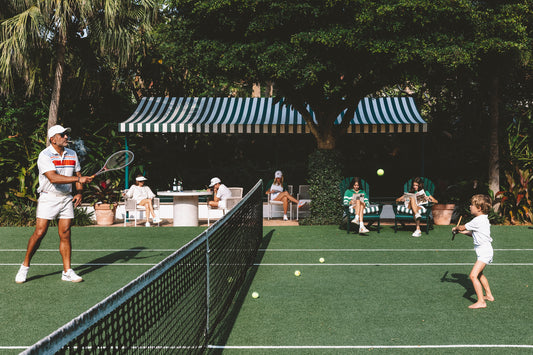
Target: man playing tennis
x,y
59,168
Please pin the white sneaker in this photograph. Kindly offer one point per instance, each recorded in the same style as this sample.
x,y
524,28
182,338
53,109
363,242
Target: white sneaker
x,y
301,204
70,276
156,220
356,219
22,274
285,218
147,224
363,229
417,233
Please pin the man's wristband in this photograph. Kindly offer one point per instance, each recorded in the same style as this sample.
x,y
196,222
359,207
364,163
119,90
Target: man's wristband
x,y
80,192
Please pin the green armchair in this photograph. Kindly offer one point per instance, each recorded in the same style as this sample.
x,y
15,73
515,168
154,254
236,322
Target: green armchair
x,y
403,214
372,212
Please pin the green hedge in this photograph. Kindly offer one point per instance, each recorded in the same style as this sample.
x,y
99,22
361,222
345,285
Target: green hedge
x,y
324,176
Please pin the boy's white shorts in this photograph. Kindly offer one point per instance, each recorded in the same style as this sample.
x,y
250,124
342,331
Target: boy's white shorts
x,y
51,205
484,253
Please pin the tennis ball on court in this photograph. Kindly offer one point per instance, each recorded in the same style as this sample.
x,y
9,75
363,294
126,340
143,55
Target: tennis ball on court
x,y
297,273
321,260
380,172
255,295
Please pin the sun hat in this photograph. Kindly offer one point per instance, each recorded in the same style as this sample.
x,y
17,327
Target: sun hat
x,y
57,129
214,181
140,178
278,174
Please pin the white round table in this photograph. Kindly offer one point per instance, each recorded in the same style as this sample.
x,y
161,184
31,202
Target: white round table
x,y
185,206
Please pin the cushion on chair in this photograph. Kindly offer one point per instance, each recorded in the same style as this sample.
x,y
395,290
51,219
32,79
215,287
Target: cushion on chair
x,y
404,209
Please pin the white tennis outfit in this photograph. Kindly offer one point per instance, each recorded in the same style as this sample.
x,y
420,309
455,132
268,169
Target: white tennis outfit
x,y
480,227
55,200
276,190
139,193
223,193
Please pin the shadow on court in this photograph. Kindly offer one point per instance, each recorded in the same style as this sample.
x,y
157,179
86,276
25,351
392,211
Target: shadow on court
x,y
122,256
224,330
463,280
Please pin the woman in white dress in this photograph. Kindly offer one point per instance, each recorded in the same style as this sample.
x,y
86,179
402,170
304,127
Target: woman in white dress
x,y
144,196
278,193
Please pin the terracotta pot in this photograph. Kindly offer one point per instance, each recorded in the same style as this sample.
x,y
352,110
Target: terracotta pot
x,y
442,213
105,213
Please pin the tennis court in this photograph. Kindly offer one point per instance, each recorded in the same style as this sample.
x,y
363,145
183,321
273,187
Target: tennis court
x,y
386,292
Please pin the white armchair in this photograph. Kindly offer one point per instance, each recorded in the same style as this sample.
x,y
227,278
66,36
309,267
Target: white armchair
x,y
236,196
132,211
273,204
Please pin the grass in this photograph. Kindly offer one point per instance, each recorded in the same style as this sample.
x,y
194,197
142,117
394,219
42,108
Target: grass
x,y
380,290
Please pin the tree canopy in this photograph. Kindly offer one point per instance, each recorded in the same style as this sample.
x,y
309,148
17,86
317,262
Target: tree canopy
x,y
331,54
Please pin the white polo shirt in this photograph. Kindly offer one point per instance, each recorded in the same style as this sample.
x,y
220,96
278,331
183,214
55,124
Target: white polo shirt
x,y
66,164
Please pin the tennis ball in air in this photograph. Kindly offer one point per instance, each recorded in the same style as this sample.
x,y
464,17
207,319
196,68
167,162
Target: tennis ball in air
x,y
297,273
380,172
255,295
321,260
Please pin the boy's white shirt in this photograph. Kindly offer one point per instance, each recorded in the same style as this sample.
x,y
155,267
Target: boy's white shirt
x,y
480,227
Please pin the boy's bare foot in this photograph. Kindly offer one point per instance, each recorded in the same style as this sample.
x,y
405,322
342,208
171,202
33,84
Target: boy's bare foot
x,y
489,298
478,305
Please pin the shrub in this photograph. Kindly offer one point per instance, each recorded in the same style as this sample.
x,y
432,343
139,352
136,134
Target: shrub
x,y
324,177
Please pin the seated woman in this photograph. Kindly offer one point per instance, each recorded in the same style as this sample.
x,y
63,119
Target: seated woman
x,y
356,198
414,206
278,192
143,195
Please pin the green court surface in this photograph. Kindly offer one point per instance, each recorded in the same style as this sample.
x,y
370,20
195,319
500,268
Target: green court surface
x,y
385,293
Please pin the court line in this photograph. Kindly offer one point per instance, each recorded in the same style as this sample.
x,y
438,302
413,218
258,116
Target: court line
x,y
310,347
266,250
387,250
321,347
82,264
389,264
283,264
92,250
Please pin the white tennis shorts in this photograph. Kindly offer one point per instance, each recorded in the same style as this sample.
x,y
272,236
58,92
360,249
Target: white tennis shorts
x,y
484,253
52,205
222,204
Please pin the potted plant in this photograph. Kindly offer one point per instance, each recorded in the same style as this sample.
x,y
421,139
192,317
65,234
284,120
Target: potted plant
x,y
104,196
443,211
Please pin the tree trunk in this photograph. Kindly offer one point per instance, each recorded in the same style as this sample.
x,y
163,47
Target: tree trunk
x,y
494,167
325,140
58,80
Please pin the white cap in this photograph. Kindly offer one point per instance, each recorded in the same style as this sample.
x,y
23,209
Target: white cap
x,y
278,174
140,178
57,129
214,181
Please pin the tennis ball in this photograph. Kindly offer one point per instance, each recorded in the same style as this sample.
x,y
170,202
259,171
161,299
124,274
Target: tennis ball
x,y
297,273
321,260
255,295
380,172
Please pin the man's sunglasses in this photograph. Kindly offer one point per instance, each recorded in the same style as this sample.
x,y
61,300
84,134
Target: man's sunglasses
x,y
64,134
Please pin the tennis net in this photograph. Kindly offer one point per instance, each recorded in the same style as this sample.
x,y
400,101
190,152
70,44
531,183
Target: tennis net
x,y
178,304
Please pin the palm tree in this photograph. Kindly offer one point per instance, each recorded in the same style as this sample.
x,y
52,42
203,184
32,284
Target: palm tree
x,y
38,28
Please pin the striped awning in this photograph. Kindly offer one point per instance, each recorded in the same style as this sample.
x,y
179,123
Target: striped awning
x,y
261,115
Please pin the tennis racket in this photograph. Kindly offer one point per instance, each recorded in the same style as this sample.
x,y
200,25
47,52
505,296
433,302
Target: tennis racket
x,y
118,160
455,232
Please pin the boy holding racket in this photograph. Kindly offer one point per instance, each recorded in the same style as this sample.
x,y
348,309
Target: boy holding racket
x,y
59,168
479,229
